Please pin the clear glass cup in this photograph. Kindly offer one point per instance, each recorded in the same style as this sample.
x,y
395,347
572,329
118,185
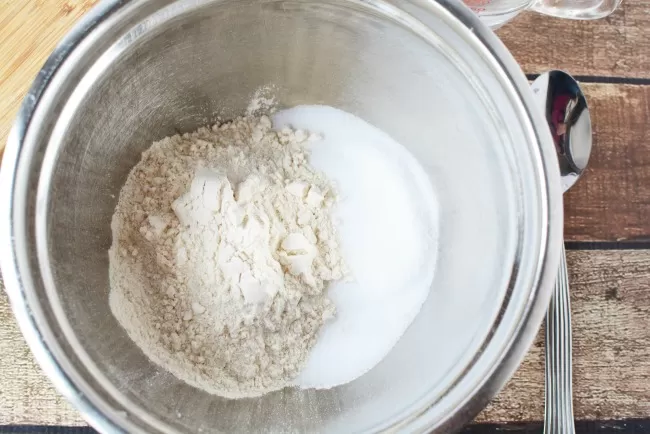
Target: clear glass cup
x,y
495,13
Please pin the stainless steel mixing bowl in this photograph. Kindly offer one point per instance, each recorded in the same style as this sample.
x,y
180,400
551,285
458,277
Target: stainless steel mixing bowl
x,y
428,73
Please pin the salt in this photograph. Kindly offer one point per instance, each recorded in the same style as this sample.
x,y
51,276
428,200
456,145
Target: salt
x,y
388,229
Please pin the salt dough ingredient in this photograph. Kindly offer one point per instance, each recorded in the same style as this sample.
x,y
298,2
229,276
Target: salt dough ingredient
x,y
223,246
388,229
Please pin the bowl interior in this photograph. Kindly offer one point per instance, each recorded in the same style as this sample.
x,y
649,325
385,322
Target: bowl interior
x,y
176,68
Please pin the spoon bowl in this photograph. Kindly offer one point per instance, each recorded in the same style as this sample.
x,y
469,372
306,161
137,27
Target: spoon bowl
x,y
565,107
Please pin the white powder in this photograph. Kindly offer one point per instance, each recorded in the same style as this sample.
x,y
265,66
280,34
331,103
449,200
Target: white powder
x,y
224,251
222,248
388,228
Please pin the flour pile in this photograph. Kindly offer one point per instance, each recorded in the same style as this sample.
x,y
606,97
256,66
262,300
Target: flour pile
x,y
223,245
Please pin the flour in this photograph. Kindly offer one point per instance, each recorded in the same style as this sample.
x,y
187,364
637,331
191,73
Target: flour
x,y
223,245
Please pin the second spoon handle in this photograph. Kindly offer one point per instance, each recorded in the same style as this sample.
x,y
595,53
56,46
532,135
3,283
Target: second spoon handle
x,y
558,418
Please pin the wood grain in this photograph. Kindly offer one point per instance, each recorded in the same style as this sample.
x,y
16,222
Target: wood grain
x,y
29,31
610,295
617,46
612,200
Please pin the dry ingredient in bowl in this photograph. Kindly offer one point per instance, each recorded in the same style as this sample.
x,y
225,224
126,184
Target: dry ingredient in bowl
x,y
387,219
223,244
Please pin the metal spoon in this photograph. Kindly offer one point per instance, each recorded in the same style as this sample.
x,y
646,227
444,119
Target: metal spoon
x,y
565,107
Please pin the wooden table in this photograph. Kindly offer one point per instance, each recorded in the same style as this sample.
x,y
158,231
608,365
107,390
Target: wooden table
x,y
607,221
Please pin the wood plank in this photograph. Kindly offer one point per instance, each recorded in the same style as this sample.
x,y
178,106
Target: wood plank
x,y
612,200
29,31
610,303
617,46
610,296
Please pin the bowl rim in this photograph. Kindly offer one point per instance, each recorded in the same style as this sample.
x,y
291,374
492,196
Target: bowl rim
x,y
101,415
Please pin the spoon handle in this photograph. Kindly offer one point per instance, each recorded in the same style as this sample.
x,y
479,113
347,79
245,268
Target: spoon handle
x,y
558,418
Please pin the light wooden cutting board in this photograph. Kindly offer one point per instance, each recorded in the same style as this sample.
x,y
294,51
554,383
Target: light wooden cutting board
x,y
29,31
